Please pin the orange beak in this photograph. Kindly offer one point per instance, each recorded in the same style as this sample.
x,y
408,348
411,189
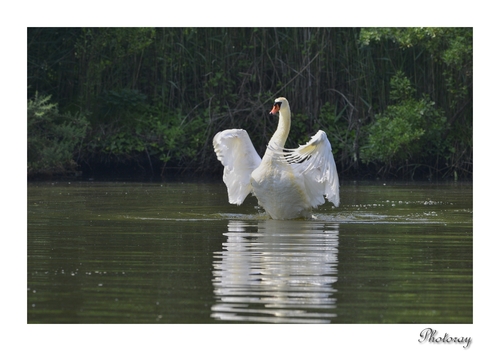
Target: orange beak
x,y
275,110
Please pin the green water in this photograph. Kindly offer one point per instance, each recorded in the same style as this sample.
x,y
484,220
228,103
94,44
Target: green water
x,y
128,252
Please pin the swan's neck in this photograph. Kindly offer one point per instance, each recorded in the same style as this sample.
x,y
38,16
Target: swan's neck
x,y
281,134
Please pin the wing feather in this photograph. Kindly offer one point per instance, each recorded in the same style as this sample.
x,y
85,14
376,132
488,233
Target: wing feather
x,y
315,162
235,151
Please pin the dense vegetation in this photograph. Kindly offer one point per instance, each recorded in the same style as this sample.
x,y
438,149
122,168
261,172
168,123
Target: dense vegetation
x,y
395,102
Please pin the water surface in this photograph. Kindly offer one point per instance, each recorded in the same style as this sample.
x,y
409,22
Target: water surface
x,y
130,252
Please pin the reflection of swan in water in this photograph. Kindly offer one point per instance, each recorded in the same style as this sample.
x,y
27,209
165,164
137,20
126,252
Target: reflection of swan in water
x,y
287,182
276,271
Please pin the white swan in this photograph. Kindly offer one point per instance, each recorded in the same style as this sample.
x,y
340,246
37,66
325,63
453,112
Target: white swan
x,y
288,183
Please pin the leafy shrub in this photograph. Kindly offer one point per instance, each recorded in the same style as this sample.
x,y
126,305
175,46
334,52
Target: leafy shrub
x,y
407,128
149,138
53,138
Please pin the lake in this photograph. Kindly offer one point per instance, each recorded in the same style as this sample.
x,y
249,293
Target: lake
x,y
177,252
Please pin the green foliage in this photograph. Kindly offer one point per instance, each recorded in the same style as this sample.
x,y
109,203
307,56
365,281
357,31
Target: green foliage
x,y
449,47
401,89
53,139
405,37
152,136
409,129
155,97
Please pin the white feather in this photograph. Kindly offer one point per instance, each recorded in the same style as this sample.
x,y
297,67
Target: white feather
x,y
315,163
239,158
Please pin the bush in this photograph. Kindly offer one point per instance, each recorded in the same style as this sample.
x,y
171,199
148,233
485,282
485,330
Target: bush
x,y
53,139
407,132
149,139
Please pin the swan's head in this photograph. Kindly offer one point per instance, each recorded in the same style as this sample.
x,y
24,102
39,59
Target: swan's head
x,y
279,104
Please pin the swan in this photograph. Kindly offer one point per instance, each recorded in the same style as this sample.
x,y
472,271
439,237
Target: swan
x,y
288,183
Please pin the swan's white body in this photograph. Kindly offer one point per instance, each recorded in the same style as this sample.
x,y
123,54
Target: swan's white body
x,y
288,183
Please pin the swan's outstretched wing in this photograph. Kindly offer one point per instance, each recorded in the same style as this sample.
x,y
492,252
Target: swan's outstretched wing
x,y
238,156
315,162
